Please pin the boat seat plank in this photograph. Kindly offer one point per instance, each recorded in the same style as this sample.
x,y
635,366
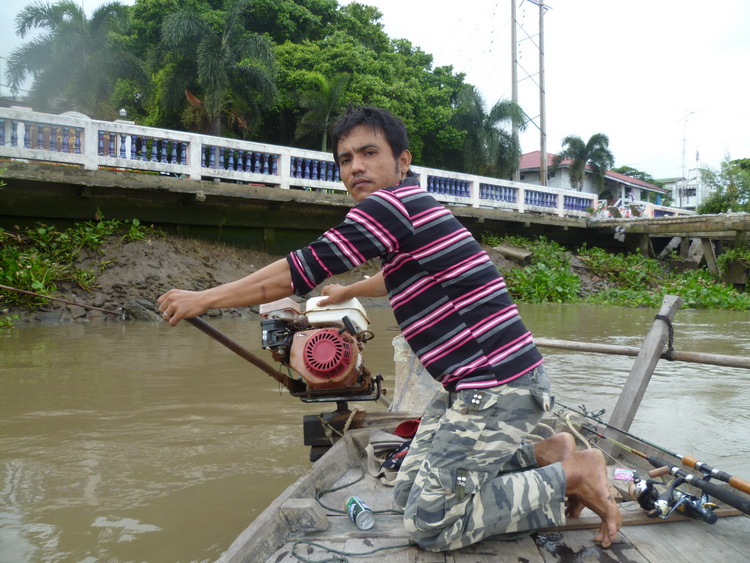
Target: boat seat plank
x,y
724,541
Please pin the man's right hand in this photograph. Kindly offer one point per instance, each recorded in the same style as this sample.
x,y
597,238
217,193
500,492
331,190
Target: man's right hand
x,y
334,293
368,287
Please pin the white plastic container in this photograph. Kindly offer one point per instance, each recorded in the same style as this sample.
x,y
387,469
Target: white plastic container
x,y
333,314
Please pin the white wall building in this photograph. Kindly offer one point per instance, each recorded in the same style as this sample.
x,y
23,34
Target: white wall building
x,y
616,186
688,193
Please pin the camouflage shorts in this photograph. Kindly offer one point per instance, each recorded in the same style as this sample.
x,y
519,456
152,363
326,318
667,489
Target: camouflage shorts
x,y
467,475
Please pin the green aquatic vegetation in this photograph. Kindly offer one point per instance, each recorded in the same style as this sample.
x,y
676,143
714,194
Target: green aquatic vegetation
x,y
699,289
739,255
39,258
491,239
627,271
549,279
628,280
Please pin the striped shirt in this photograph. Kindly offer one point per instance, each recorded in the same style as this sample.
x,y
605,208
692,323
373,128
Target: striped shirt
x,y
447,296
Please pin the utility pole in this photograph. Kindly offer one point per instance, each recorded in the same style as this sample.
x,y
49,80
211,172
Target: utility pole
x,y
539,44
684,182
542,106
514,78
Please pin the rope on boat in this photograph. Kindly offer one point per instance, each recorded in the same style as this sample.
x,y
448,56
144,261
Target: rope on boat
x,y
330,430
669,354
350,420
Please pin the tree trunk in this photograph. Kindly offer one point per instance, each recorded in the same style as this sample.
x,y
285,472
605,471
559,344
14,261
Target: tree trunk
x,y
214,126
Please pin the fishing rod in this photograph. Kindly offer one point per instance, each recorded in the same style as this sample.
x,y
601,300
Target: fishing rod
x,y
702,483
120,313
688,461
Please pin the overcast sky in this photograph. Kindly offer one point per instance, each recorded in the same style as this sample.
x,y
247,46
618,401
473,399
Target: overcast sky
x,y
664,79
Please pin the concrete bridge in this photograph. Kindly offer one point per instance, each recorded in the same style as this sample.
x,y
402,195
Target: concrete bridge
x,y
69,168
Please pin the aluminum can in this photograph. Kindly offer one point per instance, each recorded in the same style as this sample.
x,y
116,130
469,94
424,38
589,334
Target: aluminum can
x,y
360,513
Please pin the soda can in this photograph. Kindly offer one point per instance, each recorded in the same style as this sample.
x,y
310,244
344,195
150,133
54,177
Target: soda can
x,y
360,513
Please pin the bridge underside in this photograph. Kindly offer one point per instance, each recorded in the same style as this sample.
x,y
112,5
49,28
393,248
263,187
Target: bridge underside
x,y
276,221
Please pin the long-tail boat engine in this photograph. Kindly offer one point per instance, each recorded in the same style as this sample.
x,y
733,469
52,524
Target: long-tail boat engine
x,y
324,346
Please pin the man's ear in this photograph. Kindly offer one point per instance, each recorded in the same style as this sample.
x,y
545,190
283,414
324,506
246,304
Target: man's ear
x,y
404,161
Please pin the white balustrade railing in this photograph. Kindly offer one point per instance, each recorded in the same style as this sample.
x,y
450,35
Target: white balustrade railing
x,y
73,138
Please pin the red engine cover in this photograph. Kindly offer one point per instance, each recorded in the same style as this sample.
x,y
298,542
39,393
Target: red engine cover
x,y
325,358
327,354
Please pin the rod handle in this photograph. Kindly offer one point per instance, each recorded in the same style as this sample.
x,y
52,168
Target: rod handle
x,y
737,482
659,471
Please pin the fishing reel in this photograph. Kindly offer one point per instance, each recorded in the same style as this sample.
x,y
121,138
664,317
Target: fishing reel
x,y
662,505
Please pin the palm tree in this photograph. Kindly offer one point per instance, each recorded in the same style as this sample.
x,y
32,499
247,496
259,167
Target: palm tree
x,y
489,149
222,63
594,154
321,103
76,61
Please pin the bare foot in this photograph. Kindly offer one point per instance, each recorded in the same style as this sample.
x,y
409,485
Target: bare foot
x,y
555,448
586,485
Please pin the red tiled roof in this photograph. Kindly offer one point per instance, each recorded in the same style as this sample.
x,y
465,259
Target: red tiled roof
x,y
530,161
630,180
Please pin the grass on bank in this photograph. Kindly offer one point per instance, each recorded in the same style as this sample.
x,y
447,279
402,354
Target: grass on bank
x,y
38,258
629,280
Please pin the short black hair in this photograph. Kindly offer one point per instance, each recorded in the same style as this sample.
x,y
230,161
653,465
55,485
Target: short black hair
x,y
377,119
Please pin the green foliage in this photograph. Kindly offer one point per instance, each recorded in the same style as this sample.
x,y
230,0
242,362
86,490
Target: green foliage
x,y
631,271
399,79
730,187
74,60
491,239
321,102
625,280
39,258
489,148
292,20
739,255
593,154
8,321
549,279
638,175
700,290
215,63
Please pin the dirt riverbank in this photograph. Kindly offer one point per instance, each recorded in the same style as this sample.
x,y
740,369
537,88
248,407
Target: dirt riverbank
x,y
134,274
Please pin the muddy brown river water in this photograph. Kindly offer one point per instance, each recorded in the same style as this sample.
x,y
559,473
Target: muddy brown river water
x,y
139,442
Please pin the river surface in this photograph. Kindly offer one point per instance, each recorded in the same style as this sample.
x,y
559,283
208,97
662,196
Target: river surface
x,y
140,442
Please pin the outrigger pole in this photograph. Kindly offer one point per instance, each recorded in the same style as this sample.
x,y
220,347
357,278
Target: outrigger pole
x,y
688,461
119,313
702,483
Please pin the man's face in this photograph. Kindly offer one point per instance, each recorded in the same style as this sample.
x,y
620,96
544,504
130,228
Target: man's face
x,y
367,164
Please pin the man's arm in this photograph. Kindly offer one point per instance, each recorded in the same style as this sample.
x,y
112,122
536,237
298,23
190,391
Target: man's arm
x,y
370,287
267,284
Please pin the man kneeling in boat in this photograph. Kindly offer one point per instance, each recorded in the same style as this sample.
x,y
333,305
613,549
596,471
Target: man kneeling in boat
x,y
467,475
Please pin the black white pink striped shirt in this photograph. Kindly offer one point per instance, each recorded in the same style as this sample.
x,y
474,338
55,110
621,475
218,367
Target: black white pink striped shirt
x,y
447,296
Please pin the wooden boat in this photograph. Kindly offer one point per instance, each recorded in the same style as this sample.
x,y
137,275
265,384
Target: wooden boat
x,y
308,522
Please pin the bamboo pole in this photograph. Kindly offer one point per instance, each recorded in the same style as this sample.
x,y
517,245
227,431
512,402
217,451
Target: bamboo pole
x,y
613,349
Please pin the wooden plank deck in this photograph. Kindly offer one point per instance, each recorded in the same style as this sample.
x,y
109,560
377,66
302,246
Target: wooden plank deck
x,y
654,541
686,541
